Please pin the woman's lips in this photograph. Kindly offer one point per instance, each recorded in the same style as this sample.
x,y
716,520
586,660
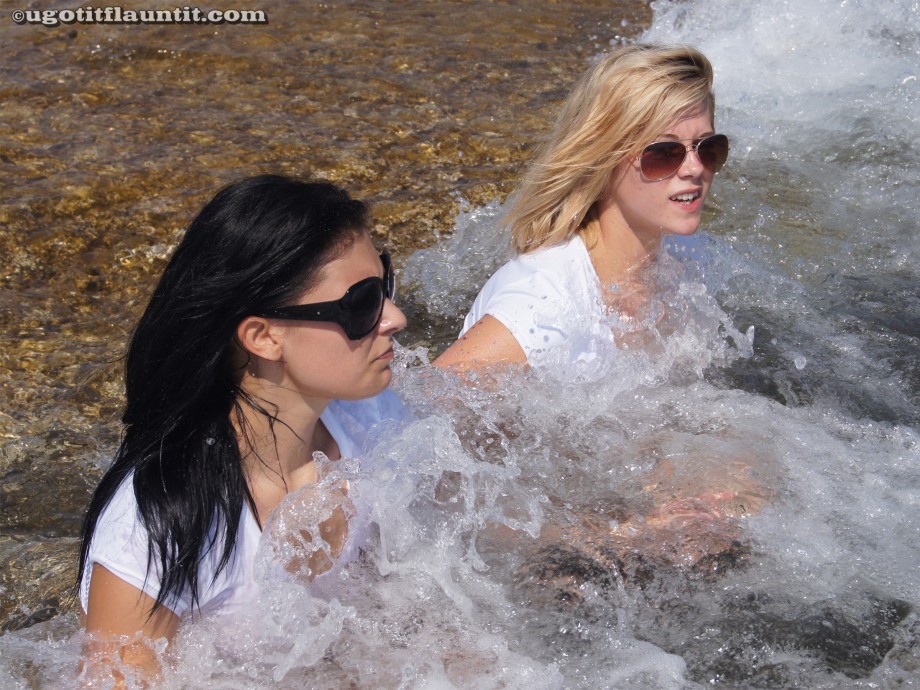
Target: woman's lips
x,y
689,200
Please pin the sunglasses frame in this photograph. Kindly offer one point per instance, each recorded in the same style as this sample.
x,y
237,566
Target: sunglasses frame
x,y
694,145
340,311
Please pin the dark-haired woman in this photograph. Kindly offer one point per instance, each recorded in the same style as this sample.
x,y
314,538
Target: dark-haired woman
x,y
267,339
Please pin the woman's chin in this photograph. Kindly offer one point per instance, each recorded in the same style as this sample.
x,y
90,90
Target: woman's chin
x,y
684,229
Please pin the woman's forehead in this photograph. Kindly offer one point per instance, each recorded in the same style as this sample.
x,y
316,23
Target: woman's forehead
x,y
702,111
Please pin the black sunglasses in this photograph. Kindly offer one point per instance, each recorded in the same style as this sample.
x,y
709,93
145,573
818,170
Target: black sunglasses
x,y
664,158
358,311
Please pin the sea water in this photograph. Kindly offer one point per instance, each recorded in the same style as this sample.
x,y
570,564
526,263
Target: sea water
x,y
506,537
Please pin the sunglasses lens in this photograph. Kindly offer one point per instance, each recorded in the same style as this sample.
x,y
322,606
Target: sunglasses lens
x,y
713,152
365,307
661,159
389,277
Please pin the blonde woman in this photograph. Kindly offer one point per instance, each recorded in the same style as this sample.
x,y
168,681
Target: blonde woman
x,y
631,159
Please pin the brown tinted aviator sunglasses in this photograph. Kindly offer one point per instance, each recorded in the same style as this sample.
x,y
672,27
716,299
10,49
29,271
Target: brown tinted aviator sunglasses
x,y
662,159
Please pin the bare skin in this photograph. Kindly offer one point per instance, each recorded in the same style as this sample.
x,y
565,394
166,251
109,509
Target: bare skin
x,y
119,611
488,343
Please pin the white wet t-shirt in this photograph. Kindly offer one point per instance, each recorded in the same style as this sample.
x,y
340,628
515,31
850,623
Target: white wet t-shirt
x,y
551,302
120,541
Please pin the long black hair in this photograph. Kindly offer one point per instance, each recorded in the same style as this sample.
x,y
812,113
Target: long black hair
x,y
259,243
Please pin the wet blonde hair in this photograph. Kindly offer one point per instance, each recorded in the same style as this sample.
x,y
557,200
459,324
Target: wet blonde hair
x,y
616,109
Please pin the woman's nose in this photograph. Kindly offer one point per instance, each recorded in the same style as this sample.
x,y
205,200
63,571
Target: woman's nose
x,y
691,165
392,320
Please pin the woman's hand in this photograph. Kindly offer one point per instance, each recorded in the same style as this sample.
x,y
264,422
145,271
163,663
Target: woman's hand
x,y
321,555
309,530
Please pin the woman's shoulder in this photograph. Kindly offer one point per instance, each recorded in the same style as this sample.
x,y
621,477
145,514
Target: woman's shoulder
x,y
553,263
548,299
122,507
549,276
119,542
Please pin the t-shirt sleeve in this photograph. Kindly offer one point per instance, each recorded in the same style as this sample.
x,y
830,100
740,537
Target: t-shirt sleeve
x,y
119,544
529,303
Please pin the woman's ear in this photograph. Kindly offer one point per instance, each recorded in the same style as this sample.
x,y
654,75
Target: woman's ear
x,y
257,336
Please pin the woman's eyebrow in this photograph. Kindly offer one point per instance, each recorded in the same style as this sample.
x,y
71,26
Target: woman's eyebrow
x,y
674,137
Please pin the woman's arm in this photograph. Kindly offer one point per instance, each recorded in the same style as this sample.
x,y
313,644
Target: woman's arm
x,y
487,343
121,627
